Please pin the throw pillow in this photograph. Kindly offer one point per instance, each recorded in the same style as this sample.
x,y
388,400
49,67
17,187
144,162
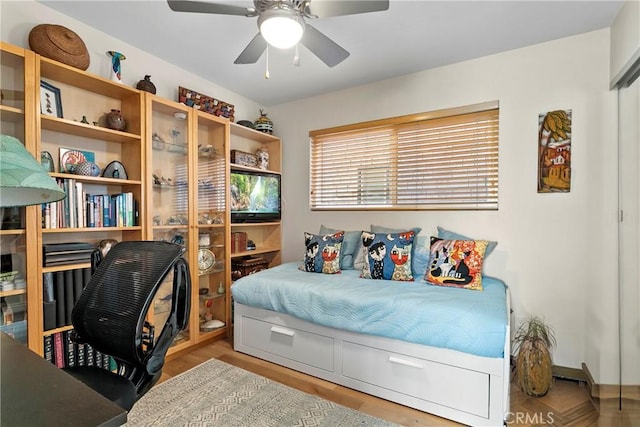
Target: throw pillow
x,y
456,263
351,244
451,235
416,231
421,256
322,253
388,255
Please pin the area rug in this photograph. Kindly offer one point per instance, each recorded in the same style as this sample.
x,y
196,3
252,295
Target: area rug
x,y
215,393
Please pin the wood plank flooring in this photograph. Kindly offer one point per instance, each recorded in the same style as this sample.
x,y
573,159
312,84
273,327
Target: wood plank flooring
x,y
567,404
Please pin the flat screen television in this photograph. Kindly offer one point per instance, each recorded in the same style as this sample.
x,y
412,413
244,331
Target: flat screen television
x,y
255,196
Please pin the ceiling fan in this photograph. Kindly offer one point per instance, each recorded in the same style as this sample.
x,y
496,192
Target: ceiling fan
x,y
282,23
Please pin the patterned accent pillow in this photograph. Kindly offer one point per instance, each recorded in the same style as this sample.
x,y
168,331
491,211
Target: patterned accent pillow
x,y
322,254
388,255
456,263
351,246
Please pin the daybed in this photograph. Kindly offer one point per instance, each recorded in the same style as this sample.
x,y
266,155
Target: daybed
x,y
438,349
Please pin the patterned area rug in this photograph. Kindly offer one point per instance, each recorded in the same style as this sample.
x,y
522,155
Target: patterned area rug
x,y
215,393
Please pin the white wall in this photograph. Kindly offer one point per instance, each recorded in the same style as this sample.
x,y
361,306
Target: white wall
x,y
555,251
17,18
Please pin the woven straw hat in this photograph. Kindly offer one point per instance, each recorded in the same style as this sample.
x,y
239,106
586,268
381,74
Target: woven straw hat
x,y
59,43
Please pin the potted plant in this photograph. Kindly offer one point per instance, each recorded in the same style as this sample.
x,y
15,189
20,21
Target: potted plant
x,y
533,342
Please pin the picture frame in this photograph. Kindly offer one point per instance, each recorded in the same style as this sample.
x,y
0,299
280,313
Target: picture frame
x,y
50,100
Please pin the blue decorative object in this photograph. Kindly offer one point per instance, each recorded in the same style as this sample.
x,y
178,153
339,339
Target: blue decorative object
x,y
116,66
87,169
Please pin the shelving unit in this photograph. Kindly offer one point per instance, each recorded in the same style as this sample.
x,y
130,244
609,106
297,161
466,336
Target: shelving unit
x,y
84,95
179,181
18,307
267,236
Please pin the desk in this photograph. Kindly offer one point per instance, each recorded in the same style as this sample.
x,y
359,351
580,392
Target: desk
x,y
33,392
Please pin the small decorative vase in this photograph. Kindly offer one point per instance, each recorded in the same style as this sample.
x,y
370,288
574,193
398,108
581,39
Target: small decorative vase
x,y
263,158
87,169
146,85
263,123
116,66
115,120
220,288
46,160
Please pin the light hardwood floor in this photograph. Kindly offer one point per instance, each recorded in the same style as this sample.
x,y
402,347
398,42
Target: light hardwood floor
x,y
567,403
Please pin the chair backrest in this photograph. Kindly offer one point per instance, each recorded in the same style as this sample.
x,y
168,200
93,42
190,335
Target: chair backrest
x,y
110,314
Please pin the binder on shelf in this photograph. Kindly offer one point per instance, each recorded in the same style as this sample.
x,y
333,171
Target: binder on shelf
x,y
47,287
49,319
59,294
86,273
68,296
78,284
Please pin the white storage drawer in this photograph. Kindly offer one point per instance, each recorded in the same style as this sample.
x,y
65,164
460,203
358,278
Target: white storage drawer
x,y
422,379
304,347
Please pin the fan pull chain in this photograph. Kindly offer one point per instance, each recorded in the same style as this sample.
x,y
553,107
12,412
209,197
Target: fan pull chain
x,y
266,72
296,57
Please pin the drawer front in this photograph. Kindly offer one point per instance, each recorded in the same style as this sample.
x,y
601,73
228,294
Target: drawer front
x,y
419,378
304,347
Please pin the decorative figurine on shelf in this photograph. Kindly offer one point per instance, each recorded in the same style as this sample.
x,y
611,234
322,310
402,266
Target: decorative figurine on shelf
x,y
220,288
105,246
146,85
87,169
157,142
115,120
84,120
116,66
46,160
263,123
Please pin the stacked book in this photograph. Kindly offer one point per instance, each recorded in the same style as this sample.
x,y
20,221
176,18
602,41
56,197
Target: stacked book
x,y
67,253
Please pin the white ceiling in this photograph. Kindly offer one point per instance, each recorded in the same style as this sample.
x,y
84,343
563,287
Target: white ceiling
x,y
409,37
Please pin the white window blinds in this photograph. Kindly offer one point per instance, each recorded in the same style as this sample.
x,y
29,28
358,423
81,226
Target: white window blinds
x,y
446,159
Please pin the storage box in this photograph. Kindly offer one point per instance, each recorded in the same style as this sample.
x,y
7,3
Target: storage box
x,y
244,267
244,159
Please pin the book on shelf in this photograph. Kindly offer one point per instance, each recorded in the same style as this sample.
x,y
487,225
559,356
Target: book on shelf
x,y
58,350
68,296
69,349
48,348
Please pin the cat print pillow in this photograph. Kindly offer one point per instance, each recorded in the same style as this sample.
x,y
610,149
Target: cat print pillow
x,y
456,263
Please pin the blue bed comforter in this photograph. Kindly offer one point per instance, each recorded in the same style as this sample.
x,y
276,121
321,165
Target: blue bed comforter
x,y
459,319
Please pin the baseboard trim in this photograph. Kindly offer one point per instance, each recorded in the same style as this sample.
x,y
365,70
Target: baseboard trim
x,y
609,391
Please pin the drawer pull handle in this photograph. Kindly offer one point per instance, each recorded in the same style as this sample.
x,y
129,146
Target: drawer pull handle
x,y
282,331
404,362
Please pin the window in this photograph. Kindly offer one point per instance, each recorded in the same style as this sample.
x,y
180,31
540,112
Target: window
x,y
445,159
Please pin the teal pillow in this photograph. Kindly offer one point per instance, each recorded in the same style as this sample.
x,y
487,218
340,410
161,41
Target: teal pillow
x,y
451,235
351,244
421,256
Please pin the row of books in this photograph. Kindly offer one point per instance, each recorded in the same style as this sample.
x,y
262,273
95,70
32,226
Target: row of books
x,y
62,351
61,290
79,209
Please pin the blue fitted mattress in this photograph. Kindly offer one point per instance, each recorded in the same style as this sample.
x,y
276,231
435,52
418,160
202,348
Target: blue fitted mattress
x,y
459,319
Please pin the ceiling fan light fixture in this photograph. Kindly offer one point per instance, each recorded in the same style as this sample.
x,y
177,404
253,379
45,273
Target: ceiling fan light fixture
x,y
281,28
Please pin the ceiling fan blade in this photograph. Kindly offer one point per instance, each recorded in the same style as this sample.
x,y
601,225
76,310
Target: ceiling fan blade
x,y
323,47
326,8
204,7
253,51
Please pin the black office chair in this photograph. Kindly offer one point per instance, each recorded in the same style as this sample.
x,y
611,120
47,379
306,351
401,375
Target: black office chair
x,y
111,314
